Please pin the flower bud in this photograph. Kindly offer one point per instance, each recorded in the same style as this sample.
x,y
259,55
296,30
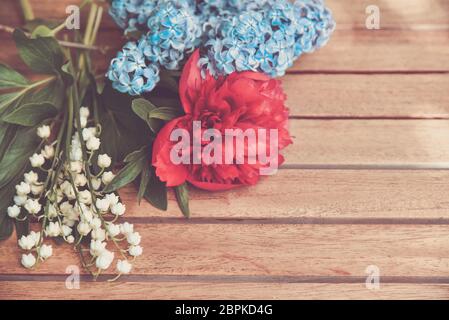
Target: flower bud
x,y
85,197
37,160
123,267
104,161
31,177
33,206
53,229
118,209
45,251
135,251
107,177
37,189
133,238
48,152
20,200
83,228
44,132
105,259
28,260
93,144
14,211
102,205
97,247
84,112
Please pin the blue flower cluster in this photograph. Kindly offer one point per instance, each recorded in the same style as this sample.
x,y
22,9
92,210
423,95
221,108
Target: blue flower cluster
x,y
174,31
130,73
267,38
234,35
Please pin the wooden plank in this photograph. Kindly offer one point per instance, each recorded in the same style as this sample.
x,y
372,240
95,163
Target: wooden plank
x,y
379,51
348,13
393,13
13,290
316,194
348,51
399,95
287,250
368,141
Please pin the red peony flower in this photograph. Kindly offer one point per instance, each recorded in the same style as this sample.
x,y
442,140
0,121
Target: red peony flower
x,y
245,101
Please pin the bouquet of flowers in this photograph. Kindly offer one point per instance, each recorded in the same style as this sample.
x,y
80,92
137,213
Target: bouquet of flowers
x,y
191,99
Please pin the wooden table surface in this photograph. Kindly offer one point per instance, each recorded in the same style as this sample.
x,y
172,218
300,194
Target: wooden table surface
x,y
366,182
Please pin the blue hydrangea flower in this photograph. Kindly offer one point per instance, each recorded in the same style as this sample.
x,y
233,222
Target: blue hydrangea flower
x,y
234,35
315,24
174,32
130,72
132,15
265,36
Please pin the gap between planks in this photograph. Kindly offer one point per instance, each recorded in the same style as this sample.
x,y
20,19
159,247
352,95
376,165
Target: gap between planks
x,y
227,279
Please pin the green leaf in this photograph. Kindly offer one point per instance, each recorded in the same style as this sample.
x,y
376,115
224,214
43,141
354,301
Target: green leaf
x,y
41,31
43,55
7,134
52,93
21,148
10,78
6,100
151,114
122,131
163,113
143,108
182,195
130,172
31,114
156,193
31,25
6,227
144,181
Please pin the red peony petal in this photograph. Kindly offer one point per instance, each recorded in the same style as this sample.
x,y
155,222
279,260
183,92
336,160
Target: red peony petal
x,y
190,82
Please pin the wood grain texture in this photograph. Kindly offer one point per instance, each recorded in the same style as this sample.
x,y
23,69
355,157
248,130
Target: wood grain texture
x,y
379,51
317,194
289,250
11,290
368,141
348,13
302,233
355,95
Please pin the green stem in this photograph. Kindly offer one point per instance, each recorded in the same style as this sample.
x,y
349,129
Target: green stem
x,y
27,10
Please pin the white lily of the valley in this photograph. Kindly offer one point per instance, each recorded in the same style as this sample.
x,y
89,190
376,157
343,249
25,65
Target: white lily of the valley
x,y
14,211
124,267
97,247
26,242
53,229
134,238
113,230
93,144
104,161
31,177
28,260
83,228
44,132
33,206
102,205
104,260
48,152
118,209
37,160
45,251
126,228
135,251
107,177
